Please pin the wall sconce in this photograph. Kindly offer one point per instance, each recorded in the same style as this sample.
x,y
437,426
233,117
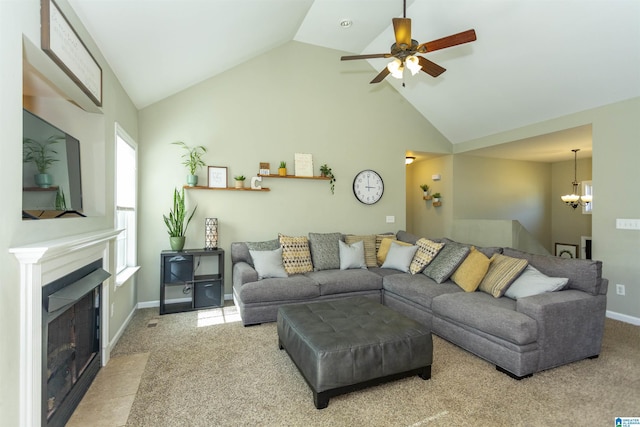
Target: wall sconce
x,y
210,234
408,160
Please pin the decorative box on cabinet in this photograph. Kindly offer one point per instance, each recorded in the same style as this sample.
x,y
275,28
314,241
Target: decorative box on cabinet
x,y
191,280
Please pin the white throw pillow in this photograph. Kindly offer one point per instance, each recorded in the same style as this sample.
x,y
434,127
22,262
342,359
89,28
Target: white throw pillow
x,y
399,257
268,263
352,256
533,282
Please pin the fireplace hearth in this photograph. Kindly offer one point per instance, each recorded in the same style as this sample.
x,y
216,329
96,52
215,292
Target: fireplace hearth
x,y
70,340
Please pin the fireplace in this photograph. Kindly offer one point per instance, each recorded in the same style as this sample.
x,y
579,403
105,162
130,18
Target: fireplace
x,y
81,261
70,340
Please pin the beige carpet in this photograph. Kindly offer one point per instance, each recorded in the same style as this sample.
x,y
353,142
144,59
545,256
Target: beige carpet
x,y
229,375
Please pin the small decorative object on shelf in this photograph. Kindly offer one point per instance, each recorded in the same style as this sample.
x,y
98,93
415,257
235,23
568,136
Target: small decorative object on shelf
x,y
61,203
42,156
436,199
282,170
265,168
303,164
177,222
239,180
425,192
192,160
255,186
326,171
217,177
210,234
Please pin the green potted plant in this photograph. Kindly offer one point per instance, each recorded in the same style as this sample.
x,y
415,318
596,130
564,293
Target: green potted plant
x,y
425,190
239,180
326,171
177,221
192,160
436,198
42,155
282,170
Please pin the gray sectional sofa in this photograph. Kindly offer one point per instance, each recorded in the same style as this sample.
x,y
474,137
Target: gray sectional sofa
x,y
521,335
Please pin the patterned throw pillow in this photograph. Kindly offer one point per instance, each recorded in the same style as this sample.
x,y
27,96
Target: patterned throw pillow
x,y
325,252
427,250
446,262
472,270
503,270
369,242
296,256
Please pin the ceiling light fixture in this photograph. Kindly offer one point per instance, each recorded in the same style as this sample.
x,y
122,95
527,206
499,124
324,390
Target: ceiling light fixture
x,y
346,23
574,200
408,160
397,66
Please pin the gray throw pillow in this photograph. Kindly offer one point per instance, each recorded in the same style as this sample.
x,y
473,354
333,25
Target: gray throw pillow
x,y
268,263
352,256
533,282
325,253
399,257
447,261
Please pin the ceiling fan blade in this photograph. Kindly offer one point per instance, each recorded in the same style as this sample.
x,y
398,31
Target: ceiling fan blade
x,y
402,30
373,55
431,68
452,40
380,77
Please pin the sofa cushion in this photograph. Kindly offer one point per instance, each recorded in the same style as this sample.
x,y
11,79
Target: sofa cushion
x,y
268,263
472,270
324,250
369,242
427,250
418,288
583,274
351,256
447,261
267,245
296,256
533,282
406,237
494,316
399,256
487,250
503,270
342,281
293,288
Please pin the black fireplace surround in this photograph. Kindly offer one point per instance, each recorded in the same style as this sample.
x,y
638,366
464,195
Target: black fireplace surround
x,y
70,340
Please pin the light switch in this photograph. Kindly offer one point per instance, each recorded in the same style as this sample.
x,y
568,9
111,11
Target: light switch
x,y
391,219
627,224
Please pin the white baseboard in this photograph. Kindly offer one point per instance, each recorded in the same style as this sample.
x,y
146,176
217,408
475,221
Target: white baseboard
x,y
623,317
118,334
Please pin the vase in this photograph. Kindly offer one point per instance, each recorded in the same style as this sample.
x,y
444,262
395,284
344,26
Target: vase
x,y
177,243
282,171
43,180
192,180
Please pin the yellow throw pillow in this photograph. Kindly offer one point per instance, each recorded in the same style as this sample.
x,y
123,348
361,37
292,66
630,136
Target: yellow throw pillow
x,y
369,242
503,271
296,255
427,251
385,244
472,270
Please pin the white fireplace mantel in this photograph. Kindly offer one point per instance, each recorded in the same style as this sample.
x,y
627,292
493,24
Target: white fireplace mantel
x,y
40,264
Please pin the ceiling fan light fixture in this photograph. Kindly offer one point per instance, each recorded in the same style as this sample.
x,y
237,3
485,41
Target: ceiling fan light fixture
x,y
413,64
396,68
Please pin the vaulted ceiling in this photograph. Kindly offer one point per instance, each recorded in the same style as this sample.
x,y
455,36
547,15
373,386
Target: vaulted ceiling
x,y
533,59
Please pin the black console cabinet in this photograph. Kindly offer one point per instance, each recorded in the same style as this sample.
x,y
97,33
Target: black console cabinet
x,y
191,280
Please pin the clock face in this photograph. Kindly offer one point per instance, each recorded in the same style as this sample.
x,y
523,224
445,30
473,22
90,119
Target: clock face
x,y
368,187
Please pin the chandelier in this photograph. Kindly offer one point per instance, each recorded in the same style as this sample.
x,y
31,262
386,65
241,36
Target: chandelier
x,y
574,200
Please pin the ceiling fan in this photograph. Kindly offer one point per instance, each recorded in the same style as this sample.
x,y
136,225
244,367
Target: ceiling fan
x,y
404,50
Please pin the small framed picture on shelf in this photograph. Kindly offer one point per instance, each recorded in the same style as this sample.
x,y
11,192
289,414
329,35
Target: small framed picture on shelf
x,y
565,250
264,168
217,177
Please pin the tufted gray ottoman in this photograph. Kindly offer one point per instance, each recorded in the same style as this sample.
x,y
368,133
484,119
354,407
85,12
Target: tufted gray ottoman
x,y
345,345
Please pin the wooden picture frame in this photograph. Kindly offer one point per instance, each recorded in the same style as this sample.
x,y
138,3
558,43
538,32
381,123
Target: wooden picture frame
x,y
217,177
566,250
63,45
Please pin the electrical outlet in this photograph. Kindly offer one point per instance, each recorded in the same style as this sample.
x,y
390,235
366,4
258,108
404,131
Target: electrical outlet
x,y
112,308
620,289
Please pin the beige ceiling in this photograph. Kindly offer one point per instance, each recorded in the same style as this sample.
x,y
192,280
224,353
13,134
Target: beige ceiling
x,y
534,59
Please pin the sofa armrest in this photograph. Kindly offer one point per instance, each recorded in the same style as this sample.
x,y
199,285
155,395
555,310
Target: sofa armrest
x,y
243,273
570,325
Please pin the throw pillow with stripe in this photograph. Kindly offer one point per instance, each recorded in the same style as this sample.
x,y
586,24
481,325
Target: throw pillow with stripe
x,y
502,272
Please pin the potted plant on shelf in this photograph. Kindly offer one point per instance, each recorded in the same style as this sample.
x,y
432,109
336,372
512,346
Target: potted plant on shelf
x,y
192,160
177,221
425,191
436,199
43,156
239,180
282,170
326,171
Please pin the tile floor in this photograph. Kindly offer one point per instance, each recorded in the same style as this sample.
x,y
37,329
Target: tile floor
x,y
108,401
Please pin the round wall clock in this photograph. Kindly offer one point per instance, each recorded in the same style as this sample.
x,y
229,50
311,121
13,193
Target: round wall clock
x,y
368,186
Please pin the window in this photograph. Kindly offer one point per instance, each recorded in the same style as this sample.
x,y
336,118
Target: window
x,y
126,195
587,190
